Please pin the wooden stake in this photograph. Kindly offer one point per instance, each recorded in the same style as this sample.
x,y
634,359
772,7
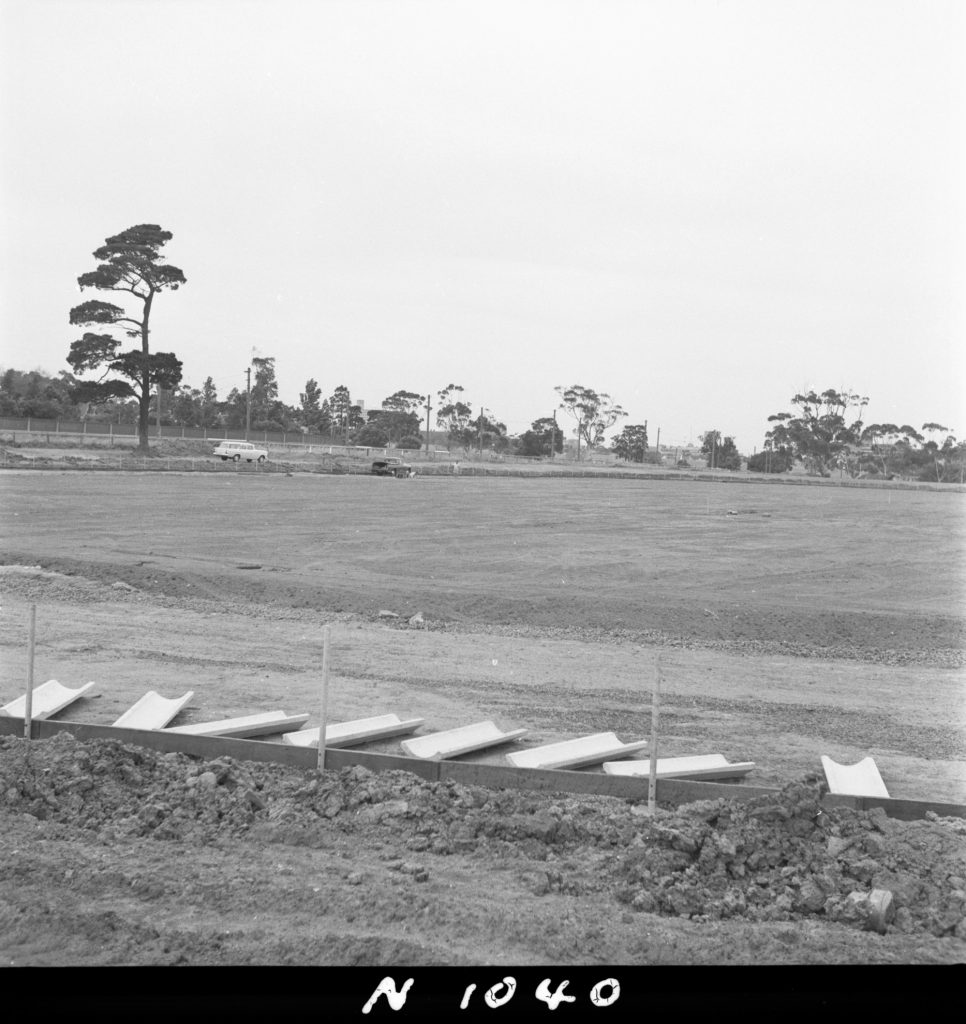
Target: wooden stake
x,y
655,712
326,631
28,708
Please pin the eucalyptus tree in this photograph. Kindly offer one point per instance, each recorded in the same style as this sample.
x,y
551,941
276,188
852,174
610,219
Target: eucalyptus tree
x,y
594,412
454,415
820,434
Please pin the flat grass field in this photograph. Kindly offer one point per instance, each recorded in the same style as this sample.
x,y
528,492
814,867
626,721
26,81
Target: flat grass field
x,y
825,566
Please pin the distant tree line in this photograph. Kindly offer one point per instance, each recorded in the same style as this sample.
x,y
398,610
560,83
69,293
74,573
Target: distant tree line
x,y
130,384
824,432
401,420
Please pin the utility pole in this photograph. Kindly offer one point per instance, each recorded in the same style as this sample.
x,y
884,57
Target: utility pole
x,y
553,434
658,446
159,410
479,431
248,401
427,422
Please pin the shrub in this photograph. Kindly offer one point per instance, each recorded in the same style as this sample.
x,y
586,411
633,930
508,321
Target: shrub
x,y
779,462
371,436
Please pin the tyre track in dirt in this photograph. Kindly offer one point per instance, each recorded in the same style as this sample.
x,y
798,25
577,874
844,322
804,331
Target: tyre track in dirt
x,y
874,637
627,713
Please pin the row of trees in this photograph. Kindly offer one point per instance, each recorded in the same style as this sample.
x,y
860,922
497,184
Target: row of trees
x,y
399,422
132,262
824,431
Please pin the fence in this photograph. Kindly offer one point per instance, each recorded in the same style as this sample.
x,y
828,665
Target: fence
x,y
97,432
31,424
128,462
322,442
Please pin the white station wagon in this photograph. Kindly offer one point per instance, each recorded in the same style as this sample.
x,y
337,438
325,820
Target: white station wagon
x,y
238,450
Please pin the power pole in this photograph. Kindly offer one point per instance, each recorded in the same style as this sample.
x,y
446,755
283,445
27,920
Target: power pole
x,y
248,401
159,410
553,434
428,397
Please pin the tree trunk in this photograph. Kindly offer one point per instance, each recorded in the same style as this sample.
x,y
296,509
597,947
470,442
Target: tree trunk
x,y
144,402
144,399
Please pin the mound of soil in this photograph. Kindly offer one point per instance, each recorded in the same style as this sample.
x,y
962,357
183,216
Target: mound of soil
x,y
765,861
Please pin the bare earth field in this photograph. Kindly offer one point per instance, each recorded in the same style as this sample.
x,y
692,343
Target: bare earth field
x,y
787,622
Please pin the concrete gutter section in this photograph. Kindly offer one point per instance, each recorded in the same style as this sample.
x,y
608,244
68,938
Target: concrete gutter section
x,y
48,699
362,730
464,740
706,766
152,711
860,779
584,750
266,723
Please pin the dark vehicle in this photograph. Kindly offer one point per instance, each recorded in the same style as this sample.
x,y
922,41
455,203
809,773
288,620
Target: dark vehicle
x,y
392,467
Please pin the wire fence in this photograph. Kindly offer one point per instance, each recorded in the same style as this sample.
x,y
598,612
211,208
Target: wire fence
x,y
30,424
126,433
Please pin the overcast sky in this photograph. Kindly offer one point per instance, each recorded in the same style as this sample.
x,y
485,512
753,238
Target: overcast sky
x,y
700,207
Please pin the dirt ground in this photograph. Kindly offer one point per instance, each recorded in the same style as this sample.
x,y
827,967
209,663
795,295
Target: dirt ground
x,y
115,855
